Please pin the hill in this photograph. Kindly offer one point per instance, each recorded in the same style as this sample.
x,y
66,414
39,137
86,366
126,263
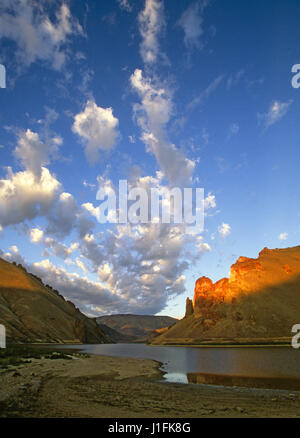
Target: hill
x,y
137,327
114,335
34,312
259,303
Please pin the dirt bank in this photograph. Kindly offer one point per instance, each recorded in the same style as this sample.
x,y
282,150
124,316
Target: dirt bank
x,y
111,387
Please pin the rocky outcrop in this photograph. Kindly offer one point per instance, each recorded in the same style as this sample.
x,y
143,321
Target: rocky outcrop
x,y
208,293
260,299
189,308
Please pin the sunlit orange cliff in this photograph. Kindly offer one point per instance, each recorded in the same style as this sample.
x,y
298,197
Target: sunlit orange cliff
x,y
258,303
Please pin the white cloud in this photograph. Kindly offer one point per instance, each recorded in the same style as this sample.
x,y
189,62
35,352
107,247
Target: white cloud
x,y
276,112
23,197
35,192
224,230
35,35
191,22
152,115
33,153
82,291
283,236
36,235
98,128
14,249
58,248
144,263
62,217
139,267
81,265
210,202
151,23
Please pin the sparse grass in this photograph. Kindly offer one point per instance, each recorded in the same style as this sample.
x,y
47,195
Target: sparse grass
x,y
20,354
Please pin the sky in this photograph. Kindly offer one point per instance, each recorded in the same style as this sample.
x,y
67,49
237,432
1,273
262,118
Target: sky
x,y
163,94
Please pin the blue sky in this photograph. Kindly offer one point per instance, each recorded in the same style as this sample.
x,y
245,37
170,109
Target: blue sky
x,y
161,93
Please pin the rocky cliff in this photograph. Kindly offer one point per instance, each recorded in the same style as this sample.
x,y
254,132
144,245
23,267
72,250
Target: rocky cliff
x,y
34,312
260,301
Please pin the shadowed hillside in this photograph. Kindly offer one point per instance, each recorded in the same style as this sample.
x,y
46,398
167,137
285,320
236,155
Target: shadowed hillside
x,y
137,327
33,312
259,303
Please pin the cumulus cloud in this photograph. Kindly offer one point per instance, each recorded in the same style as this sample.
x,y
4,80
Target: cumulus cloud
x,y
153,113
283,236
13,255
36,36
210,202
151,23
59,249
23,197
139,267
36,235
275,113
191,22
98,128
80,290
33,153
224,230
33,192
62,217
144,264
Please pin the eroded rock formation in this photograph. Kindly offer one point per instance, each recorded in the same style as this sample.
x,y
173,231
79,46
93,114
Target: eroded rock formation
x,y
260,299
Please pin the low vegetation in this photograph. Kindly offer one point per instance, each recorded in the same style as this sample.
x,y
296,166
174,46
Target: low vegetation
x,y
19,354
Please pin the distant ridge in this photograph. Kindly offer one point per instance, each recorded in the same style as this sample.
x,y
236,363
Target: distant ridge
x,y
259,303
34,312
136,327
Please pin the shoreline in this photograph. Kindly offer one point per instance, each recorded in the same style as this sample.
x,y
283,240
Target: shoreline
x,y
208,345
118,387
224,345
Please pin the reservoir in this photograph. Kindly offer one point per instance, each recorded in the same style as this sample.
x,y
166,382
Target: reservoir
x,y
277,367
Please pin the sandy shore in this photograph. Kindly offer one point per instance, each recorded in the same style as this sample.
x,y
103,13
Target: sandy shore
x,y
111,387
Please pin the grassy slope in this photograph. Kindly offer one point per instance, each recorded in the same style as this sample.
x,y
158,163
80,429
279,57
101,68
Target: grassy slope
x,y
33,312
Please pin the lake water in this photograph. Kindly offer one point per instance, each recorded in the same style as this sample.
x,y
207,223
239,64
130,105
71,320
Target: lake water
x,y
266,367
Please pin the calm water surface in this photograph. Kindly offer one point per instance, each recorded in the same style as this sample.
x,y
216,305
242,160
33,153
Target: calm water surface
x,y
281,362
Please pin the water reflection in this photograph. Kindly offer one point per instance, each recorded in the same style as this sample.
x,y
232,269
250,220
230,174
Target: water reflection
x,y
288,383
247,366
